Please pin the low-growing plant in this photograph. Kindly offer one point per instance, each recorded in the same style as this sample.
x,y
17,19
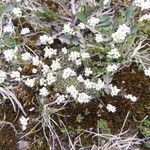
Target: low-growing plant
x,y
69,53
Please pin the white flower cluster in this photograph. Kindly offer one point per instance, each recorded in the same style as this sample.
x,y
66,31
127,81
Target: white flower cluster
x,y
78,57
10,54
131,97
51,78
17,12
120,35
8,28
111,108
3,76
93,21
111,67
114,90
114,54
144,4
80,97
83,98
147,72
74,56
49,52
68,72
81,25
43,92
26,56
60,98
91,85
68,29
15,75
55,65
99,38
72,91
24,122
64,50
25,31
44,39
145,17
88,72
30,82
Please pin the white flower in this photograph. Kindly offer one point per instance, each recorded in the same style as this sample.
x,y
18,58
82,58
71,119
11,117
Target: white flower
x,y
111,68
81,25
49,52
17,11
24,122
68,72
26,56
3,76
106,2
44,39
25,31
114,53
34,70
55,65
50,78
93,21
131,97
73,56
78,62
67,29
43,92
64,50
60,99
72,91
10,54
88,84
100,85
111,108
85,55
19,69
120,35
15,75
36,61
147,72
42,81
80,78
8,29
45,69
88,72
144,4
99,38
30,82
114,90
144,17
83,98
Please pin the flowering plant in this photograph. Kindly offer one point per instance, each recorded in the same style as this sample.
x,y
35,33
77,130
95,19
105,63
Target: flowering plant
x,y
72,53
93,46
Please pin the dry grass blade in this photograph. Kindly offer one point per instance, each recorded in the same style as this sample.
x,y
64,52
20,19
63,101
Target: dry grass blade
x,y
6,92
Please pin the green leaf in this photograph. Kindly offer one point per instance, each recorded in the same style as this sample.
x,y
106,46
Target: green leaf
x,y
79,118
45,14
129,13
103,126
81,16
5,9
10,41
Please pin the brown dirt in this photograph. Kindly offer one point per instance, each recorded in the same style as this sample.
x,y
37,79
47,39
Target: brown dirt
x,y
131,81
